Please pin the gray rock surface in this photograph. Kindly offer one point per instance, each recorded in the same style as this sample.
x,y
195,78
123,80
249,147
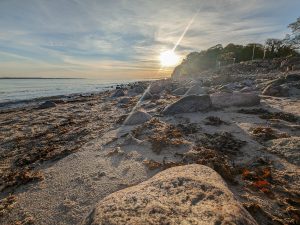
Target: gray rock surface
x,y
47,104
195,90
189,104
193,194
118,93
180,91
223,99
137,117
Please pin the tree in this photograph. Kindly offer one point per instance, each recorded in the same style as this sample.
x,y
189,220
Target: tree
x,y
294,38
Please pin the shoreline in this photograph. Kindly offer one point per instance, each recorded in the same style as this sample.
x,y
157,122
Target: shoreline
x,y
60,162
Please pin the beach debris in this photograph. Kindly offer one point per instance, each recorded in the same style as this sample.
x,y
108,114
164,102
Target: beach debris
x,y
265,114
137,117
211,158
238,99
152,165
47,104
267,133
118,93
214,121
188,128
164,198
223,142
16,178
7,204
189,104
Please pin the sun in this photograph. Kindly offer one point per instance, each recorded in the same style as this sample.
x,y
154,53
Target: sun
x,y
168,58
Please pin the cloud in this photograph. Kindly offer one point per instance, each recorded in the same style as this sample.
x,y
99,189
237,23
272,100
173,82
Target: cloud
x,y
104,38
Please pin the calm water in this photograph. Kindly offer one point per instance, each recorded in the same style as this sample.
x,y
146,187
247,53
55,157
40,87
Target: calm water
x,y
12,90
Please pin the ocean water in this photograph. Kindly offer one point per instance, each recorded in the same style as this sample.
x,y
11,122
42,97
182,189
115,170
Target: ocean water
x,y
16,90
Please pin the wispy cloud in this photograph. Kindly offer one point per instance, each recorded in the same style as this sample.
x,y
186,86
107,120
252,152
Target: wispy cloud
x,y
111,38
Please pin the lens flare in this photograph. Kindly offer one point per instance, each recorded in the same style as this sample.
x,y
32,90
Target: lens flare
x,y
168,58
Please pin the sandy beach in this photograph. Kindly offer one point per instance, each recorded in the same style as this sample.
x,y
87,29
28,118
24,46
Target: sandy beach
x,y
57,163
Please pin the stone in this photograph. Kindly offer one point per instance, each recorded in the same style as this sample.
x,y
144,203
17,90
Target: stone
x,y
189,104
276,90
292,77
180,91
124,100
238,99
137,117
118,93
47,104
195,90
192,194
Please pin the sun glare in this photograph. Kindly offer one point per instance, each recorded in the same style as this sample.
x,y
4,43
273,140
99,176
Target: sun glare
x,y
168,58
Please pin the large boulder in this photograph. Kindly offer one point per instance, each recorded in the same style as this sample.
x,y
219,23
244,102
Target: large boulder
x,y
189,104
238,99
276,90
180,91
137,117
47,104
193,194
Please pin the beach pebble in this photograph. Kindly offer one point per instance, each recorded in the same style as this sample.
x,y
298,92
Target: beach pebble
x,y
124,100
47,104
137,117
224,99
189,104
193,194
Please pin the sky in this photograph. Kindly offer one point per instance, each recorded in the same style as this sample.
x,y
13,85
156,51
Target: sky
x,y
123,38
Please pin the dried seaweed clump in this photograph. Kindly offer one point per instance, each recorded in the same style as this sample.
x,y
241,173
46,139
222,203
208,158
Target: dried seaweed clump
x,y
223,142
267,133
7,204
168,136
16,178
260,176
213,159
265,114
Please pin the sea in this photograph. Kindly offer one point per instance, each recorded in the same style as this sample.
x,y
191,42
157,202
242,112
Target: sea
x,y
16,91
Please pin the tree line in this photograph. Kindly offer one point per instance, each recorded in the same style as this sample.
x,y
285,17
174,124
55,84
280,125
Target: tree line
x,y
232,53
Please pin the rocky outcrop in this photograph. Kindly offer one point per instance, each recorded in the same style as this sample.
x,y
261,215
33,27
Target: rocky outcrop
x,y
192,194
47,104
189,104
137,117
238,99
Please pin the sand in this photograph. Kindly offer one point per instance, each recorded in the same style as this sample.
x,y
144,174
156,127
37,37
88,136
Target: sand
x,y
92,155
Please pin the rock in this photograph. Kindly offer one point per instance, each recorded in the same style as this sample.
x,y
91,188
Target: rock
x,y
276,90
289,148
137,117
118,93
156,88
146,96
47,104
138,89
189,104
124,100
292,77
223,99
196,90
247,89
193,194
180,91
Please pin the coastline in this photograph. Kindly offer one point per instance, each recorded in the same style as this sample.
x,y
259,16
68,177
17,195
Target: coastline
x,y
59,162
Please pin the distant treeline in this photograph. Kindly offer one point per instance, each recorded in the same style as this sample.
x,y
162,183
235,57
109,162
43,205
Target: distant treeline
x,y
232,53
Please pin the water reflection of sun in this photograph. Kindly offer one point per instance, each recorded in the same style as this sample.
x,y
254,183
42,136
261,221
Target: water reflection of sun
x,y
168,58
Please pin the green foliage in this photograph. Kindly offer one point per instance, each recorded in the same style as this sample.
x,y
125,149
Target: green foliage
x,y
294,39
